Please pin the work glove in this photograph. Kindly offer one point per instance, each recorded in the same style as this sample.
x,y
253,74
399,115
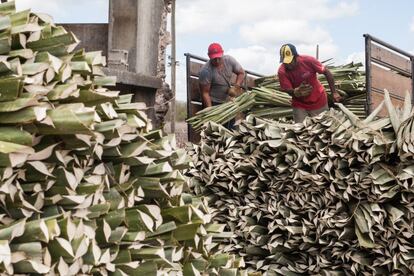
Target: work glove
x,y
303,90
234,91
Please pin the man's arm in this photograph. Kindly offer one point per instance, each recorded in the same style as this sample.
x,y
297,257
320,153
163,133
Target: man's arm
x,y
205,94
331,83
240,77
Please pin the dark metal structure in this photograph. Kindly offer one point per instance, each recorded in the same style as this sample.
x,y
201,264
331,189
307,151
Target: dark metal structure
x,y
387,67
194,103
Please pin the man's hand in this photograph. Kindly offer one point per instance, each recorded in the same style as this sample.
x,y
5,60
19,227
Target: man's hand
x,y
336,97
302,90
235,91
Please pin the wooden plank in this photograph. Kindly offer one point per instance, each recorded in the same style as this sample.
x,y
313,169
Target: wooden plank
x,y
195,68
195,93
378,97
194,108
194,136
391,58
395,83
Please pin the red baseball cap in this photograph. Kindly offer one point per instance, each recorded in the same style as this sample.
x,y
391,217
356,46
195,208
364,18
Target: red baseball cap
x,y
215,51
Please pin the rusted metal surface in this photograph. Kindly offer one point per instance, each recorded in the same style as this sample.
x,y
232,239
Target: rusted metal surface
x,y
387,67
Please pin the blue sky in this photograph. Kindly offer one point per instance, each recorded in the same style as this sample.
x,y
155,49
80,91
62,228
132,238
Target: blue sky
x,y
253,31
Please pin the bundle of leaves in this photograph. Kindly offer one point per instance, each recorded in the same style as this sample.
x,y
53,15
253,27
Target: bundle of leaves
x,y
331,196
86,186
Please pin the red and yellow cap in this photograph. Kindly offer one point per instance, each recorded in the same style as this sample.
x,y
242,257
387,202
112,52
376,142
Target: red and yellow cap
x,y
287,53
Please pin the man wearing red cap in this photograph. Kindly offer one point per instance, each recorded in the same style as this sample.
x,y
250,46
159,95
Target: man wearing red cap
x,y
298,77
215,76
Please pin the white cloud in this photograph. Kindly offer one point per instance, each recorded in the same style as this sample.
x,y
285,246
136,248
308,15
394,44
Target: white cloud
x,y
267,24
257,59
217,16
356,57
293,30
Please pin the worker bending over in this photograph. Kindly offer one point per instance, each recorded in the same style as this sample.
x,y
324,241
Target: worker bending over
x,y
298,77
215,78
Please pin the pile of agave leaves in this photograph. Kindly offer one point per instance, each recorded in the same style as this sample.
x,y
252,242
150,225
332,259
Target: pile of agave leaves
x,y
86,187
331,196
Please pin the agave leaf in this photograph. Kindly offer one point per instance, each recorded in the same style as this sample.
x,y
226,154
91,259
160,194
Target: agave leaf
x,y
15,135
374,113
63,91
35,230
407,106
24,116
395,121
146,268
95,58
5,66
93,254
5,23
29,266
61,40
45,57
25,28
7,8
186,231
20,18
17,104
60,247
23,53
32,249
5,46
11,231
139,221
163,229
34,68
80,67
44,17
190,270
5,256
105,81
95,97
67,121
43,154
228,271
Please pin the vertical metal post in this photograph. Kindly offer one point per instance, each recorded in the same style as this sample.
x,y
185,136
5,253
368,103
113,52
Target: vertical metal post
x,y
317,51
368,85
173,67
187,65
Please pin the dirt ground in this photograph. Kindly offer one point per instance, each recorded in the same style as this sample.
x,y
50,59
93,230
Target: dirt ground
x,y
180,132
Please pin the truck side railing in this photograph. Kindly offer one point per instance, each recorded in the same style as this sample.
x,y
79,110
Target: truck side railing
x,y
387,67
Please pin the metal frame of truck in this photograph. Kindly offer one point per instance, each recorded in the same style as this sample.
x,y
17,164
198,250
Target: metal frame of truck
x,y
386,67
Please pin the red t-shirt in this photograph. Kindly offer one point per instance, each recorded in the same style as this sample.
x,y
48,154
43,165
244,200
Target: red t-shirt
x,y
305,72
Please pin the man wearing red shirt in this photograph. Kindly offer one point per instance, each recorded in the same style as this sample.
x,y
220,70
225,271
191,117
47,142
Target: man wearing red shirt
x,y
298,77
